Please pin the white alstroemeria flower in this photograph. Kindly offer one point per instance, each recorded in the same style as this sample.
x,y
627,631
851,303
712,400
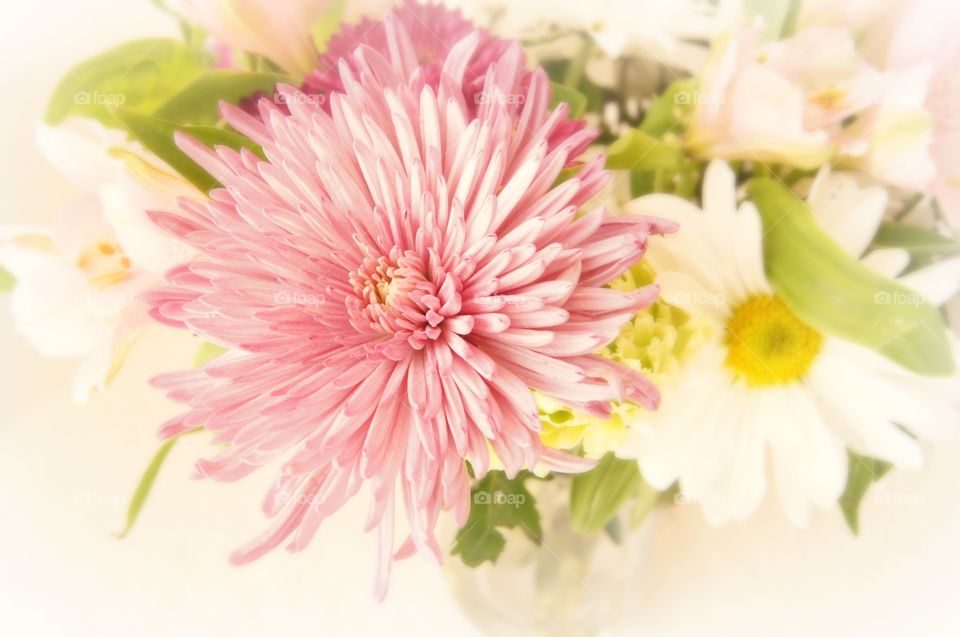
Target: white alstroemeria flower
x,y
764,381
674,33
925,38
911,139
781,101
77,281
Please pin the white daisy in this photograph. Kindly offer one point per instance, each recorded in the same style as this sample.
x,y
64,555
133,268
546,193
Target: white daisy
x,y
766,381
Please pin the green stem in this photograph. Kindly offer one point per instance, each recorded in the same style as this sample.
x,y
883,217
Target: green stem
x,y
908,207
937,211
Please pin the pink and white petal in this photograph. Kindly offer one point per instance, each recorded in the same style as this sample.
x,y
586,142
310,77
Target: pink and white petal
x,y
849,406
103,363
79,225
809,460
712,450
25,247
745,481
720,191
77,148
692,237
684,414
927,407
848,213
56,310
748,255
684,291
125,205
938,283
889,262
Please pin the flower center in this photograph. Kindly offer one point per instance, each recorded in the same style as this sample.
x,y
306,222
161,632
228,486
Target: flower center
x,y
767,344
394,296
378,282
105,264
830,98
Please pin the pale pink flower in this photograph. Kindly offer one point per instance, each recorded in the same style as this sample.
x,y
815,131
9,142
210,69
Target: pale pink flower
x,y
278,30
77,280
393,281
782,101
924,42
282,31
433,30
911,138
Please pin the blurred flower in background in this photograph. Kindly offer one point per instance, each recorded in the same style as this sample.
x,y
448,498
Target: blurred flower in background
x,y
672,33
77,281
281,31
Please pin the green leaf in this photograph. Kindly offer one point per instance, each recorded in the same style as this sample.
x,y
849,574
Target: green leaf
x,y
597,495
671,111
638,151
145,485
207,352
137,76
573,97
199,102
157,136
647,499
789,26
863,472
328,25
7,281
924,245
497,502
837,295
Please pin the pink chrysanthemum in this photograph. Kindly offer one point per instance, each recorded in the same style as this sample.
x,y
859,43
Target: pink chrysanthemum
x,y
429,33
432,30
393,281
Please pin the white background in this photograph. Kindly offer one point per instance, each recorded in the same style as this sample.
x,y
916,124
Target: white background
x,y
65,474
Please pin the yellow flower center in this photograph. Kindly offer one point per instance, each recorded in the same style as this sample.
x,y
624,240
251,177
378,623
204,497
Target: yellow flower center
x,y
767,344
105,264
830,98
383,290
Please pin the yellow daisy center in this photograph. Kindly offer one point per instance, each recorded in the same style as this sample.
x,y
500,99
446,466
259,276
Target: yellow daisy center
x,y
767,344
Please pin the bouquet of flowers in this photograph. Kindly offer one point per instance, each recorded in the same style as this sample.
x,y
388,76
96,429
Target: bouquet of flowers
x,y
438,256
